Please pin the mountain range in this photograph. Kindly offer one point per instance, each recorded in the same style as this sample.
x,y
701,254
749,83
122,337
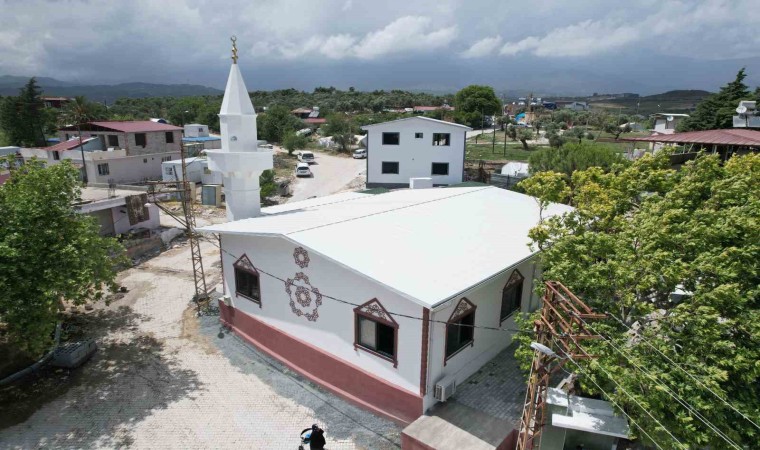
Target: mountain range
x,y
10,85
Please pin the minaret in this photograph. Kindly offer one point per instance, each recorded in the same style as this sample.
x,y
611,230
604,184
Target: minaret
x,y
240,160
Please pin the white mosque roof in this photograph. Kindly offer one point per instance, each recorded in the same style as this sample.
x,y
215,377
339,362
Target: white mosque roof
x,y
428,245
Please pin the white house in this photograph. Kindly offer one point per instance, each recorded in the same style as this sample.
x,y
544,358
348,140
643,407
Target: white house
x,y
666,123
195,133
194,167
415,147
120,211
374,297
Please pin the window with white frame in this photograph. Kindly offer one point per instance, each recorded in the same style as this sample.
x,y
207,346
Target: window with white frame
x,y
103,169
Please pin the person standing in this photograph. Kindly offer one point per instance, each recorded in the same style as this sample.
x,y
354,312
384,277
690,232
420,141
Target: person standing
x,y
317,440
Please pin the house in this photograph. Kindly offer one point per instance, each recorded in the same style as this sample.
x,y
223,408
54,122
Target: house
x,y
666,123
381,321
122,152
415,147
118,211
56,102
424,109
725,143
197,134
574,106
195,168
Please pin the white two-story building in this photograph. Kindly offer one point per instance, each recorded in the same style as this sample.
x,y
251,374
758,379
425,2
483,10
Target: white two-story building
x,y
415,147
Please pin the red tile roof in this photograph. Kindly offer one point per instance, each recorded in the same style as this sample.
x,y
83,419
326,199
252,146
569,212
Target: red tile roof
x,y
315,120
137,126
67,145
730,136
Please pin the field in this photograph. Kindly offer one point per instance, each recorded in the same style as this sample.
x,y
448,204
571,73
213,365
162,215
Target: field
x,y
682,101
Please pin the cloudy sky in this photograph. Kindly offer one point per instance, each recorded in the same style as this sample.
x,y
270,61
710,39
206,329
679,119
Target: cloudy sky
x,y
561,46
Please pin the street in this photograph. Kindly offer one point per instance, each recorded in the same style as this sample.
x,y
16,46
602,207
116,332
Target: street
x,y
331,174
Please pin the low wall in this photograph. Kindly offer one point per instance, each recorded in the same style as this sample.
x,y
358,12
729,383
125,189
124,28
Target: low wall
x,y
337,376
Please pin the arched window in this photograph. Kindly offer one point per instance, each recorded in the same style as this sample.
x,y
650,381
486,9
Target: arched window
x,y
247,280
376,331
460,328
511,295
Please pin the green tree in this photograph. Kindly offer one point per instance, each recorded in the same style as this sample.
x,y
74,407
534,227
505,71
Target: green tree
x,y
717,110
23,119
339,126
48,253
267,184
78,112
473,102
277,122
524,135
293,141
637,235
573,156
576,133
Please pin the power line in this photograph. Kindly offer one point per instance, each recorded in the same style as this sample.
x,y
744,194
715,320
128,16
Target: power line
x,y
632,398
511,330
613,401
675,396
689,374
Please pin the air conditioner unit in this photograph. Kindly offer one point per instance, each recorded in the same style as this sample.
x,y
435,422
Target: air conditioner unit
x,y
445,388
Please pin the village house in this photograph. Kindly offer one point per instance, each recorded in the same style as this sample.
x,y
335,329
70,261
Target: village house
x,y
415,147
666,123
387,300
118,211
119,152
198,134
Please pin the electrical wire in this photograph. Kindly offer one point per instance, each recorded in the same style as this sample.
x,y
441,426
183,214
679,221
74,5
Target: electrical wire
x,y
643,339
612,401
629,396
407,316
675,396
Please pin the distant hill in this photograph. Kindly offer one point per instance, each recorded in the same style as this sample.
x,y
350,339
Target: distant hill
x,y
9,85
679,101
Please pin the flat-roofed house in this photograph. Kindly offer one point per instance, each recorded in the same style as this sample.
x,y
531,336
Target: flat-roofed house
x,y
415,147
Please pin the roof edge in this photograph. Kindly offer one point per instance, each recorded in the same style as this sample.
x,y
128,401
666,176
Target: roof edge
x,y
442,122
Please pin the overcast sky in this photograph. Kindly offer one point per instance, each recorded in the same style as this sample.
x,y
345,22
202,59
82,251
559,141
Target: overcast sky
x,y
562,46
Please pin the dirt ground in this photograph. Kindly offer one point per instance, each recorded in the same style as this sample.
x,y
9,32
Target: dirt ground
x,y
165,378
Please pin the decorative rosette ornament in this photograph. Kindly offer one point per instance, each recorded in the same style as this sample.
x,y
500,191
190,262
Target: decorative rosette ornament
x,y
301,256
305,299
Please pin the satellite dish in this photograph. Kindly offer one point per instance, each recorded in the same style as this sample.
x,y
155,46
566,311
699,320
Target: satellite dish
x,y
741,109
669,118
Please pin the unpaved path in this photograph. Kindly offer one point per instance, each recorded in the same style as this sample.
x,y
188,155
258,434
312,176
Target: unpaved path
x,y
331,174
163,378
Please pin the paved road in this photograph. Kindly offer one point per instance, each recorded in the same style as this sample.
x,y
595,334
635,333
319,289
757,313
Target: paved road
x,y
165,379
331,174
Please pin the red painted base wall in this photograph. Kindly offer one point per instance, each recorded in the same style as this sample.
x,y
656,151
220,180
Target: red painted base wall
x,y
336,375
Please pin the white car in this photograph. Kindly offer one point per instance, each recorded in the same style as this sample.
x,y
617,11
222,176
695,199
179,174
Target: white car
x,y
360,153
306,157
302,170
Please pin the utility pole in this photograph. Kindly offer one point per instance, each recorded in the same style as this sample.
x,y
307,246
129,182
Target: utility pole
x,y
560,326
186,192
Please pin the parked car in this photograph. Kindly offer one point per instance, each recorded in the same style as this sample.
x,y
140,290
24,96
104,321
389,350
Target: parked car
x,y
302,170
306,157
360,153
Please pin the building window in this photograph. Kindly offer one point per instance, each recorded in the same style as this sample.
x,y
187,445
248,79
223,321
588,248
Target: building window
x,y
440,169
113,140
169,137
67,136
247,280
511,295
460,328
56,155
441,139
169,170
391,139
140,139
166,158
145,160
376,331
390,167
200,129
418,135
103,169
